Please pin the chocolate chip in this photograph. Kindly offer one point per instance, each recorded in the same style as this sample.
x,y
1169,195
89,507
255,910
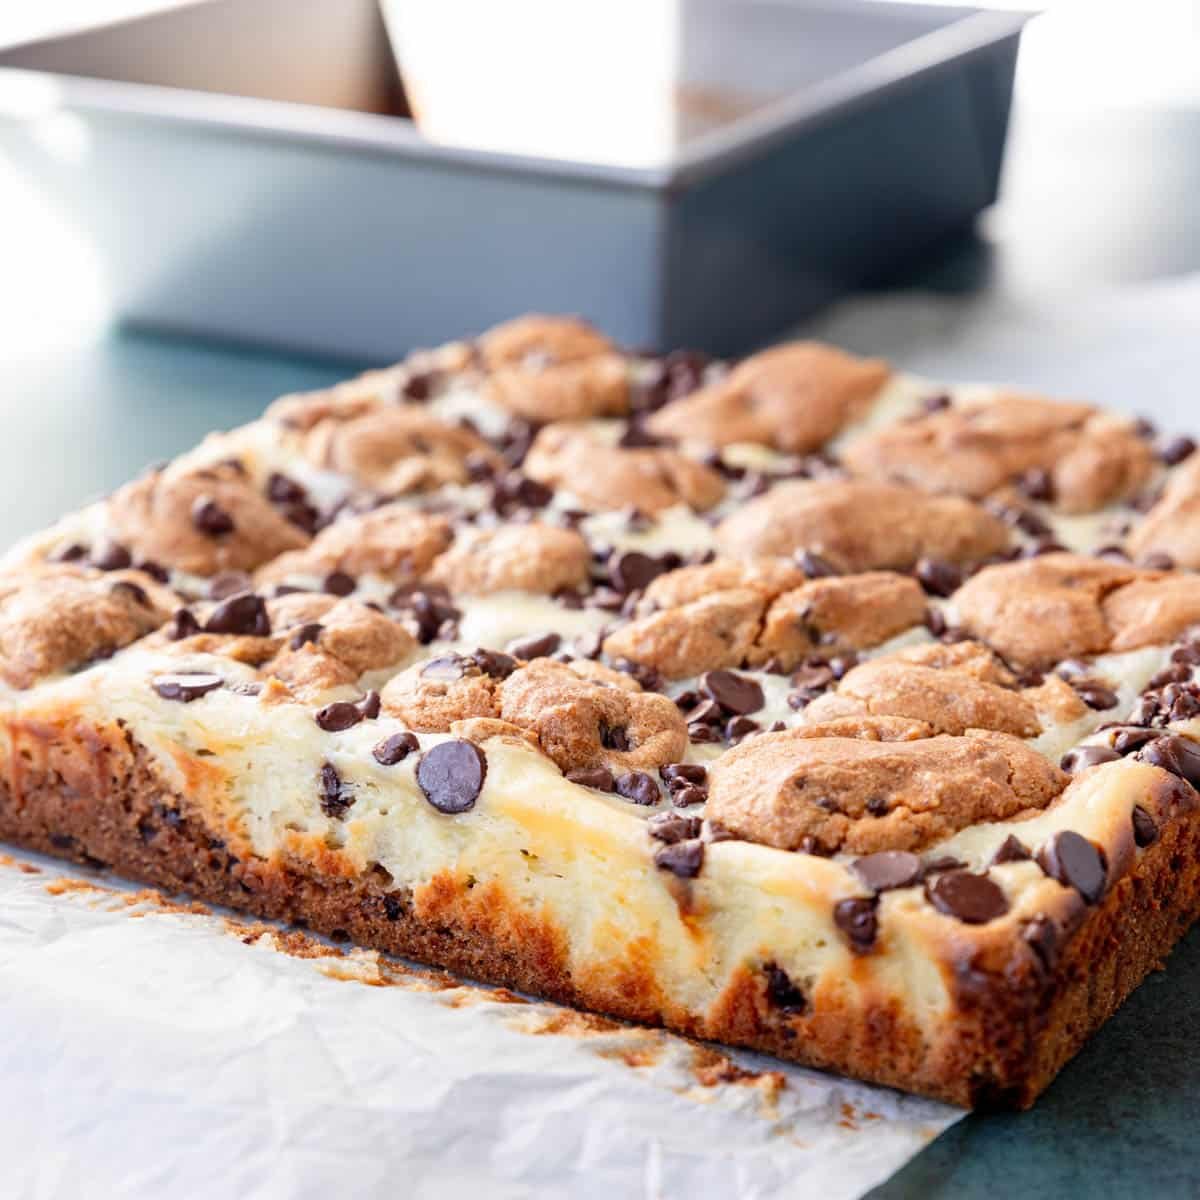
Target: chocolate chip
x,y
335,799
395,748
183,624
633,571
283,490
972,899
932,404
638,787
1179,755
156,571
186,686
1176,450
1128,738
1177,672
1157,560
814,566
887,869
687,796
134,591
781,991
451,775
1145,830
614,737
1012,849
370,705
700,733
673,827
737,728
857,919
419,386
683,859
72,552
244,615
1075,862
1036,483
1082,757
447,668
538,646
1095,695
734,693
339,583
494,664
210,518
310,632
944,862
1041,935
111,556
228,583
648,677
339,715
937,576
600,778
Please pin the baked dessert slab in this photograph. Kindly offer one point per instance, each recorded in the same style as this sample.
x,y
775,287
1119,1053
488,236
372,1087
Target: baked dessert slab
x,y
796,704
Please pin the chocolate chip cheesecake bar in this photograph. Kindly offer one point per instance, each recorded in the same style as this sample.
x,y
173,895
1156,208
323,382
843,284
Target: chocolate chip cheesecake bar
x,y
796,703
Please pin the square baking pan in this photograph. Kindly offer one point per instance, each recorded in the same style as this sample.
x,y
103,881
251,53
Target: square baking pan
x,y
249,169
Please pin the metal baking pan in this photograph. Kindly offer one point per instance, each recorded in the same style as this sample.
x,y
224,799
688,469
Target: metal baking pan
x,y
248,169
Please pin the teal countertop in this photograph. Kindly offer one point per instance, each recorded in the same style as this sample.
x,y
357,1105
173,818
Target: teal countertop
x,y
1118,1122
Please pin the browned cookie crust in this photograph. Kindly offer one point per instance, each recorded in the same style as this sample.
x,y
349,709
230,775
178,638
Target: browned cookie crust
x,y
793,703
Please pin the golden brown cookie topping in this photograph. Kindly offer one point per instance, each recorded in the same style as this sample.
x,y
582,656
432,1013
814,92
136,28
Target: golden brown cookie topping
x,y
770,576
861,526
949,701
829,794
839,613
793,398
201,520
601,476
392,541
553,369
1057,606
581,722
530,558
431,696
1087,458
1172,526
397,449
59,618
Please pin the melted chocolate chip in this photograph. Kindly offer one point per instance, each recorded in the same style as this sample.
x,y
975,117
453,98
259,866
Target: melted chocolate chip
x,y
420,385
857,920
648,677
183,624
1041,935
1176,450
1082,757
600,778
1095,695
614,737
633,571
972,899
111,556
72,552
735,694
283,490
370,705
451,775
682,859
685,797
339,715
638,787
737,728
335,799
1145,829
494,664
210,518
1012,849
536,646
814,566
339,583
1157,560
781,991
243,615
395,748
673,827
888,869
447,668
1179,755
302,636
676,775
1036,484
228,583
186,686
134,591
1075,862
1128,738
937,576
156,571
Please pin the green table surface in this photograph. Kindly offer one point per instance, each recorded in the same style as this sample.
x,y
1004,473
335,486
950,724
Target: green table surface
x,y
1118,1122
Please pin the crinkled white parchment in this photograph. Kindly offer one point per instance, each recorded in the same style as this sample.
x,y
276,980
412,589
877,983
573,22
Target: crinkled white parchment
x,y
149,1053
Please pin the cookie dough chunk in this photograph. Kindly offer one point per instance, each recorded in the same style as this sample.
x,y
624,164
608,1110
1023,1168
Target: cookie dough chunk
x,y
528,558
59,618
829,794
861,526
603,477
432,695
708,634
394,542
348,401
583,722
793,398
547,369
1172,526
1042,610
769,576
836,614
201,520
966,658
948,701
1090,458
396,450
